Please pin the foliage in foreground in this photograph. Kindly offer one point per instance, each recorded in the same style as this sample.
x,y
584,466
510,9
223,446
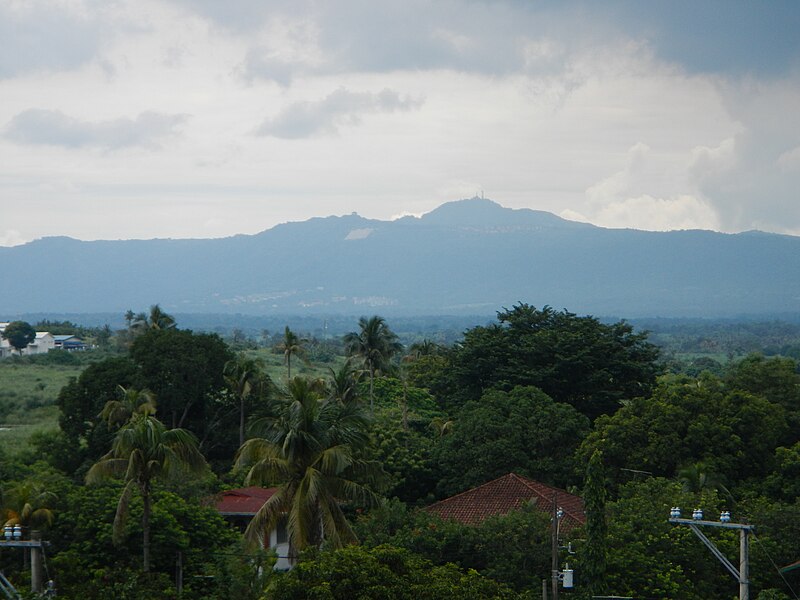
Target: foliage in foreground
x,y
359,573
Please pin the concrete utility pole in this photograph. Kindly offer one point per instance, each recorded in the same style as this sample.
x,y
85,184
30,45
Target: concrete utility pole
x,y
13,539
557,514
742,574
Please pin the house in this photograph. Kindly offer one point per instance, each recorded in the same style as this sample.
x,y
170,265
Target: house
x,y
239,506
44,342
505,494
69,342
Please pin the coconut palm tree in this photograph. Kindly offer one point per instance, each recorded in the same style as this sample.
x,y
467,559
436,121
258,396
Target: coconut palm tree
x,y
156,319
311,452
291,345
142,451
374,344
27,505
131,402
343,383
243,375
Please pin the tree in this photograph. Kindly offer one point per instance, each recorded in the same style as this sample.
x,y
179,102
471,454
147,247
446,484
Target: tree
x,y
27,504
523,431
577,360
375,344
343,383
185,371
382,572
156,319
311,451
142,451
243,375
131,402
734,433
291,345
19,334
593,561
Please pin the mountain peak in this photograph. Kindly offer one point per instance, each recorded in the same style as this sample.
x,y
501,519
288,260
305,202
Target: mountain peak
x,y
482,213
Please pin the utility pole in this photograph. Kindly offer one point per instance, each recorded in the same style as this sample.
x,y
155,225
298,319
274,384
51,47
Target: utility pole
x,y
556,520
742,574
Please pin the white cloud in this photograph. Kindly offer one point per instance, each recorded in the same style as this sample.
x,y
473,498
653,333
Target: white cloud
x,y
338,109
11,237
54,128
618,200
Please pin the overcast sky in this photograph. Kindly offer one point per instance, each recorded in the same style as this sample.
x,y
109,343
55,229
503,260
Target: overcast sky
x,y
202,118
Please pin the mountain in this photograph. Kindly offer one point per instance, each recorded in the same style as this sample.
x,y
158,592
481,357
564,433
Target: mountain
x,y
466,257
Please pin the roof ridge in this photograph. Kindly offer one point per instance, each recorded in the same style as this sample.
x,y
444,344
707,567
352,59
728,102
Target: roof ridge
x,y
525,481
472,489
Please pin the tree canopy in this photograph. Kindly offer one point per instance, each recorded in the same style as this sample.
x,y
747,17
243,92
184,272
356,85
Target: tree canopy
x,y
19,334
573,359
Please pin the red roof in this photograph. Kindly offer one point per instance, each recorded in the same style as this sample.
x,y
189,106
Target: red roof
x,y
244,501
505,494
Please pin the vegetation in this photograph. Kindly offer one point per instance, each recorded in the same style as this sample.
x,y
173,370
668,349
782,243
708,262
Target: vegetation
x,y
310,450
356,445
19,334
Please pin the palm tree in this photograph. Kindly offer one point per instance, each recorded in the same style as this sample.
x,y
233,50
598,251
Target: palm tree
x,y
243,375
343,383
375,344
131,402
156,319
310,450
698,477
144,450
292,345
27,505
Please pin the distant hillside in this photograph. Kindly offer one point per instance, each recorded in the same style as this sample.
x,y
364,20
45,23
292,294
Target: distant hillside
x,y
466,257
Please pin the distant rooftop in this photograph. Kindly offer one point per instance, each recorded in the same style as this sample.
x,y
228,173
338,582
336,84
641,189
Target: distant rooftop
x,y
505,494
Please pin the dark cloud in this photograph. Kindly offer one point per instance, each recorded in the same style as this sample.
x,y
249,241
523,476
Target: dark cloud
x,y
489,37
54,128
340,108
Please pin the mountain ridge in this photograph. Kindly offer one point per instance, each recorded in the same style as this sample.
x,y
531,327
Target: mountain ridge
x,y
464,256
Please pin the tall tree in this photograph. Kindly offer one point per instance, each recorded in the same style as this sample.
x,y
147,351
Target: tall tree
x,y
155,319
27,504
291,345
343,383
375,344
130,402
311,452
142,451
593,563
243,376
577,360
19,334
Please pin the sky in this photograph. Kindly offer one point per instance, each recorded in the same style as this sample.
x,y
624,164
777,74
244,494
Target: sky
x,y
197,118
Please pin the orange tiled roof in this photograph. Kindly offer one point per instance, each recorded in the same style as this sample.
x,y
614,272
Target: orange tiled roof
x,y
244,501
507,493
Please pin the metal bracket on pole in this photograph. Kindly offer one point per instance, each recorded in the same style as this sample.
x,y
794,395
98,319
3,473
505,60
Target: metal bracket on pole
x,y
715,551
742,574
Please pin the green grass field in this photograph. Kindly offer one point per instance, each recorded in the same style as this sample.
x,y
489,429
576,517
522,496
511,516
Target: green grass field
x,y
28,392
28,395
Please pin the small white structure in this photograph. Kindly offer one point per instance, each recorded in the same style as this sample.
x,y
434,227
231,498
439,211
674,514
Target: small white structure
x,y
44,342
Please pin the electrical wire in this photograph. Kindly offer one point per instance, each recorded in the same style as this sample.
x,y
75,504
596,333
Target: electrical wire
x,y
774,565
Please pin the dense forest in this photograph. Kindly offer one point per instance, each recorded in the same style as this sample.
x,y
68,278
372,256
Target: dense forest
x,y
359,432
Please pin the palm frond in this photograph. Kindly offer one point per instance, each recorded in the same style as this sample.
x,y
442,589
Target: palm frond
x,y
123,508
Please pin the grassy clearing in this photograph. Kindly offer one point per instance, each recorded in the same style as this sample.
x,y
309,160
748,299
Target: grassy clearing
x,y
28,395
275,366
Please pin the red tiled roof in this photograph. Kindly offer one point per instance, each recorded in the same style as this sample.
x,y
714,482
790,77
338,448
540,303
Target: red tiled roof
x,y
244,501
505,494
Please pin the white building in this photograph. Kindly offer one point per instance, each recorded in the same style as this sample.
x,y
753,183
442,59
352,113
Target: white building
x,y
43,343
